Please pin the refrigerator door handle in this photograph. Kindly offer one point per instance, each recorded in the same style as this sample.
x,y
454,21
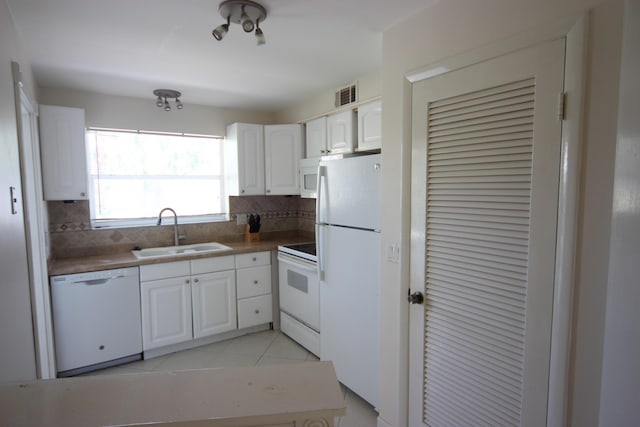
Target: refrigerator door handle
x,y
321,173
320,252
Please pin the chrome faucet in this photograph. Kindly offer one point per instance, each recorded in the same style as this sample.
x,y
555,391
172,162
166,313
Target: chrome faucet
x,y
176,239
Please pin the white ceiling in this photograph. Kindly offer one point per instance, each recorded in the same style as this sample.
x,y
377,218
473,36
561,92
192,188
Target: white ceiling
x,y
131,47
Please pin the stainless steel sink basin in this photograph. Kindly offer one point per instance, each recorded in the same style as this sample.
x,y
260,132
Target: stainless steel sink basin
x,y
172,251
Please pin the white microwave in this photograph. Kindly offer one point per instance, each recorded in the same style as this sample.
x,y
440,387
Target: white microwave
x,y
309,177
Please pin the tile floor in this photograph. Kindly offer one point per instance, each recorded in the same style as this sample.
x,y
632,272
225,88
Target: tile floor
x,y
262,348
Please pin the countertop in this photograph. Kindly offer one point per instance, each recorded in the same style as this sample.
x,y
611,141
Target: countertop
x,y
127,259
300,393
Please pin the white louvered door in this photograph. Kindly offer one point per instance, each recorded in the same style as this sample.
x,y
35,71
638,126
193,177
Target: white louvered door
x,y
486,157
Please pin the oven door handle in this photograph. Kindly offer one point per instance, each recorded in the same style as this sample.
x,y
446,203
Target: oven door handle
x,y
296,262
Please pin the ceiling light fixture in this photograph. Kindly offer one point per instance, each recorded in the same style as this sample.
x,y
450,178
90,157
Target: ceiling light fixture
x,y
163,94
247,13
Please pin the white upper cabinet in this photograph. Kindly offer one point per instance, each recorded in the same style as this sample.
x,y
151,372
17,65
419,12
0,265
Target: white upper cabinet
x,y
244,159
370,126
283,150
64,161
341,132
316,137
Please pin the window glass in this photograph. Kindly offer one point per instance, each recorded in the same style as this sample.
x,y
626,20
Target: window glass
x,y
133,175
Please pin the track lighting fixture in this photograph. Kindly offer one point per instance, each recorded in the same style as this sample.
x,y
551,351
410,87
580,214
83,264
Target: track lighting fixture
x,y
247,13
163,94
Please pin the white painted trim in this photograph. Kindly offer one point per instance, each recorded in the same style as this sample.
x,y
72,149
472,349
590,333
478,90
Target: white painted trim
x,y
383,423
575,31
520,41
568,199
35,232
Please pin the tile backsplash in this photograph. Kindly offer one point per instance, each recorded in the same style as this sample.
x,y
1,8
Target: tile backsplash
x,y
71,234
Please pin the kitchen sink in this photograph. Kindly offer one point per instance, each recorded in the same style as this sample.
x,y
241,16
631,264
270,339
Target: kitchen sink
x,y
172,251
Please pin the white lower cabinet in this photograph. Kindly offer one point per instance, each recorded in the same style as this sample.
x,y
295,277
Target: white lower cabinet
x,y
166,312
214,303
255,311
254,289
187,300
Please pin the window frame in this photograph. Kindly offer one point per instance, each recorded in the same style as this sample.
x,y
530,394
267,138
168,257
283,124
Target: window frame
x,y
152,221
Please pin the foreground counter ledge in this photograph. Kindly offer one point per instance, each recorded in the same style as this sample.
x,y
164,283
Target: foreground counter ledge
x,y
297,394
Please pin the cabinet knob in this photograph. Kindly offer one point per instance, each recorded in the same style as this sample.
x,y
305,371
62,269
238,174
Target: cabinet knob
x,y
268,191
195,280
255,259
257,311
186,281
83,194
255,282
242,191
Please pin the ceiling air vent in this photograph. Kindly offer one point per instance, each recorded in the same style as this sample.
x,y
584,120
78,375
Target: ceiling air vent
x,y
346,95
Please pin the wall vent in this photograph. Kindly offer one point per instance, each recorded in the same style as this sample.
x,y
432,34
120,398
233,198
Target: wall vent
x,y
346,95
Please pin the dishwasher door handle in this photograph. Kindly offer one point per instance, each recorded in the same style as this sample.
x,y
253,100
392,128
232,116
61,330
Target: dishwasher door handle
x,y
94,282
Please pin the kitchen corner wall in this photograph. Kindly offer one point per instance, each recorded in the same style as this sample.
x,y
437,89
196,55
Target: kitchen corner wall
x,y
72,236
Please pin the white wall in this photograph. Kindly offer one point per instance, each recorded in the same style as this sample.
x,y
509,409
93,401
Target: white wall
x,y
620,399
17,357
447,28
141,113
369,86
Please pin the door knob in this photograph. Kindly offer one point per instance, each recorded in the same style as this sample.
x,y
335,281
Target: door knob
x,y
416,298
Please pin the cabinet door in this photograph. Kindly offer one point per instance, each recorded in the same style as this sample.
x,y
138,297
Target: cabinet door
x,y
166,312
283,149
244,159
214,303
64,161
370,126
316,137
341,129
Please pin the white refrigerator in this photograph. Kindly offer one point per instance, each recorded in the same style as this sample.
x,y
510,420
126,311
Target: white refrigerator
x,y
348,250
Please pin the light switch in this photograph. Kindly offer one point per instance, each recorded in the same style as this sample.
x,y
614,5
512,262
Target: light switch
x,y
393,253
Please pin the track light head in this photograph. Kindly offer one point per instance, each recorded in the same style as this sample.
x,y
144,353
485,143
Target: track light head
x,y
259,34
221,30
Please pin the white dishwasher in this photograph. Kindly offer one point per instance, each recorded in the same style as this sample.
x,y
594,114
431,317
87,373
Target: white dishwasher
x,y
96,319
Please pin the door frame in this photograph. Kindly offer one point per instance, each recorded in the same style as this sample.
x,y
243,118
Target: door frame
x,y
574,29
35,227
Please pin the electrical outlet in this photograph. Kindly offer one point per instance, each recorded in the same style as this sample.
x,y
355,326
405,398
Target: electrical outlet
x,y
241,219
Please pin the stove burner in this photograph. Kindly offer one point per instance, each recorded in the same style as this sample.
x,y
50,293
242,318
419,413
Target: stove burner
x,y
303,250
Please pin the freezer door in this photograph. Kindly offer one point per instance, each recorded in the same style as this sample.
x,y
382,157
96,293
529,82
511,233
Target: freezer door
x,y
350,308
349,192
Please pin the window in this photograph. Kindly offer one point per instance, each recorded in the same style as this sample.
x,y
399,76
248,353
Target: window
x,y
133,175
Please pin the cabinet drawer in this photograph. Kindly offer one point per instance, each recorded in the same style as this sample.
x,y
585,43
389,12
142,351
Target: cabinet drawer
x,y
254,281
213,264
255,311
253,259
164,271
